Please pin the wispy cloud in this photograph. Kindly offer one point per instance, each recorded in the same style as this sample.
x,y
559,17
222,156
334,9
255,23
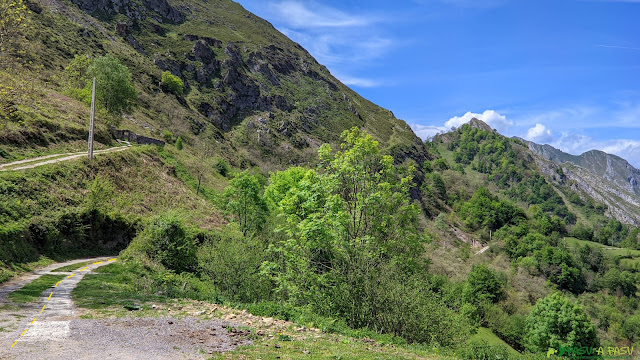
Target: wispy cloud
x,y
357,81
576,144
427,131
619,47
301,16
345,42
615,1
468,3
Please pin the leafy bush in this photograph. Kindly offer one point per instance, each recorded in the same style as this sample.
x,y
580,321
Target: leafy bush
x,y
245,202
631,328
167,136
166,240
232,262
485,210
173,83
222,167
179,144
482,350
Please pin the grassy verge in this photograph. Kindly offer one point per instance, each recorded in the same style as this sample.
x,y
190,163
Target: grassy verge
x,y
112,286
326,346
491,339
7,271
32,291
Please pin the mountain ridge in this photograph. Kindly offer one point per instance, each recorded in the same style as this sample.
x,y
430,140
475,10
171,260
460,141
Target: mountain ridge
x,y
605,177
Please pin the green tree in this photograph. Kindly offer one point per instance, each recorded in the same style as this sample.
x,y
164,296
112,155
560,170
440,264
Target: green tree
x,y
351,248
555,321
113,89
483,285
245,202
179,143
76,71
173,83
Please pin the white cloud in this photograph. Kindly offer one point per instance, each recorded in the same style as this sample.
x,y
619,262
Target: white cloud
x,y
573,143
539,134
626,149
619,47
491,117
357,81
346,42
301,16
576,144
425,132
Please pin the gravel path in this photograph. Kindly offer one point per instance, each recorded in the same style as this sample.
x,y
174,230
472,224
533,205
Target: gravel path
x,y
57,333
42,160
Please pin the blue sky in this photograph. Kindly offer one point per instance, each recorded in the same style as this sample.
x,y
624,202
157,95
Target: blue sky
x,y
562,72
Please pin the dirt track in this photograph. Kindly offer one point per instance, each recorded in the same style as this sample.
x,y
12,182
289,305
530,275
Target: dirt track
x,y
56,158
58,333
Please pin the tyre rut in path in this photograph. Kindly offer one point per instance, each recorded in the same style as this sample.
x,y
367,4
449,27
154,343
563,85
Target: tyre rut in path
x,y
55,158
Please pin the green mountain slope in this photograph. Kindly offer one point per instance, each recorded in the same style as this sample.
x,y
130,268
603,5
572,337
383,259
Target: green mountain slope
x,y
341,245
250,92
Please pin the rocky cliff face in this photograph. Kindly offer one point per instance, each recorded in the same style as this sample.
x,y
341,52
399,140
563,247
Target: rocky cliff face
x,y
245,78
606,178
158,9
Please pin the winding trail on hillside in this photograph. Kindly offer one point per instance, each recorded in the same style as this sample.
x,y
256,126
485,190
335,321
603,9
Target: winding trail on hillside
x,y
51,329
54,158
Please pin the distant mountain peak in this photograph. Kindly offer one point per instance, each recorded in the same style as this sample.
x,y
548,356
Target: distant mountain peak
x,y
479,124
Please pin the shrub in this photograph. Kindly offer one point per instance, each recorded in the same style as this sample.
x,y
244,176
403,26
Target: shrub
x,y
631,328
167,241
482,350
173,83
222,167
167,136
350,246
245,202
179,144
232,262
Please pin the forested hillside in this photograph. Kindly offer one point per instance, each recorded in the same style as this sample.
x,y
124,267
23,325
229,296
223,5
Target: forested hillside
x,y
283,192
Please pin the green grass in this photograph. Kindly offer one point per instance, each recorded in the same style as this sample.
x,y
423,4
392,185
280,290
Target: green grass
x,y
629,259
327,346
8,271
492,339
111,285
72,267
33,290
610,250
